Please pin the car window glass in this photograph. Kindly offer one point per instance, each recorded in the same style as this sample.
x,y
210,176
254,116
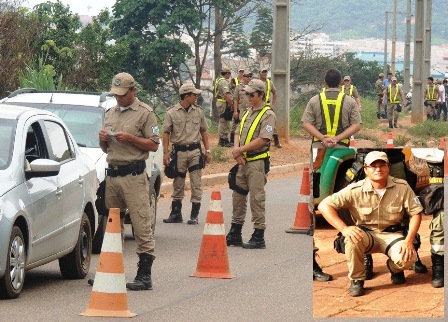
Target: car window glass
x,y
7,133
58,141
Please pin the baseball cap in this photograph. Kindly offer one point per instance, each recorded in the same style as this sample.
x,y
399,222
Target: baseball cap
x,y
263,70
346,77
189,88
381,75
225,69
255,85
247,73
393,79
121,83
241,70
375,155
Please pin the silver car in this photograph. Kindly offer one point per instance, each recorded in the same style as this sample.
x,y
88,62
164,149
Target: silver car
x,y
47,196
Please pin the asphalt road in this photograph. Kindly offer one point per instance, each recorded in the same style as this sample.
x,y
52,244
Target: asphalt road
x,y
270,284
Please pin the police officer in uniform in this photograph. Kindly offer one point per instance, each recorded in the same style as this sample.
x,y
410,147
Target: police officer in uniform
x,y
379,92
224,104
240,103
351,90
184,126
251,152
431,93
270,100
392,95
235,81
130,132
378,215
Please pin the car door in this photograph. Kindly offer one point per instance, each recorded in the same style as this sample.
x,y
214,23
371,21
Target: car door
x,y
70,180
42,200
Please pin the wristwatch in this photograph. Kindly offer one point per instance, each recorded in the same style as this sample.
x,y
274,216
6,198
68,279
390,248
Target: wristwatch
x,y
208,151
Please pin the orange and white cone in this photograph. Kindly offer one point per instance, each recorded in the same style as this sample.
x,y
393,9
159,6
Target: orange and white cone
x,y
390,141
302,222
213,260
109,297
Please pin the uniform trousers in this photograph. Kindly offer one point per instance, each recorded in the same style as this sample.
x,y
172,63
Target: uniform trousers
x,y
375,242
132,192
223,125
185,160
436,237
431,109
392,113
251,177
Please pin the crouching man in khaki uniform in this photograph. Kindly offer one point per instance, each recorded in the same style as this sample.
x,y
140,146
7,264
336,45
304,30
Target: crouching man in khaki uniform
x,y
376,204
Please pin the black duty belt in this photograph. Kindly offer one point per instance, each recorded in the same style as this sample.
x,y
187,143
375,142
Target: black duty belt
x,y
186,147
123,170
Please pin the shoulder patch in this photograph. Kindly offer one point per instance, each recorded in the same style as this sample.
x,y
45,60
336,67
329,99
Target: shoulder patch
x,y
155,130
269,128
417,201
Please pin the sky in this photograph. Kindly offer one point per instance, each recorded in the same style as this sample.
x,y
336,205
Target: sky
x,y
81,7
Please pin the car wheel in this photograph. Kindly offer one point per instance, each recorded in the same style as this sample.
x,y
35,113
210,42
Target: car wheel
x,y
76,264
11,283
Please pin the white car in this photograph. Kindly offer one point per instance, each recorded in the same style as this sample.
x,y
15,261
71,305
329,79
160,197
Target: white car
x,y
47,195
83,113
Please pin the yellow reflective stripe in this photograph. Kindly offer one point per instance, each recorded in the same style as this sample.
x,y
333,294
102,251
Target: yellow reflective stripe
x,y
236,81
431,96
221,100
394,100
268,91
215,89
331,130
252,127
264,155
350,92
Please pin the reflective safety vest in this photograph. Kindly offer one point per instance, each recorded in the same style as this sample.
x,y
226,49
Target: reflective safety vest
x,y
215,90
250,134
267,99
431,96
393,100
350,92
236,81
332,129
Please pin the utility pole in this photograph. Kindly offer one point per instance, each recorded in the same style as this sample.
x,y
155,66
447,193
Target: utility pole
x,y
385,42
407,50
281,65
427,41
419,35
394,38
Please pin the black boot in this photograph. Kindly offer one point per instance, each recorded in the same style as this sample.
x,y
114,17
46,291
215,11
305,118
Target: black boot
x,y
276,141
378,115
224,142
368,266
257,240
234,238
143,279
318,274
232,138
390,125
176,212
419,267
395,125
194,213
437,270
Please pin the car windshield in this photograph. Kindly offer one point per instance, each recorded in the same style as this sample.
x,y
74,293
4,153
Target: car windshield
x,y
7,132
84,122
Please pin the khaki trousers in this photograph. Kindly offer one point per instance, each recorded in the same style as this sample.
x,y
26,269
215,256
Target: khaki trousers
x,y
251,177
185,160
223,125
132,192
436,237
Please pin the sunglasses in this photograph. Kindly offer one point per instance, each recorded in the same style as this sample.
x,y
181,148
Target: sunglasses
x,y
250,94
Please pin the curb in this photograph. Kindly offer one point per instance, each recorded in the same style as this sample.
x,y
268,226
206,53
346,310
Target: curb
x,y
221,178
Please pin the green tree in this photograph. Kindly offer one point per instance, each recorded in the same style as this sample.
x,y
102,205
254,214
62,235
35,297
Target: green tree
x,y
261,35
236,40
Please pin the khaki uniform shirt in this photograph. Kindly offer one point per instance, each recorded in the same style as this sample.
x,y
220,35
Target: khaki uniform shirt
x,y
379,87
372,211
222,89
354,92
264,129
138,120
240,93
393,91
184,126
349,115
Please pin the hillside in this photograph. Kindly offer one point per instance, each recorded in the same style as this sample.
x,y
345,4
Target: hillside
x,y
363,18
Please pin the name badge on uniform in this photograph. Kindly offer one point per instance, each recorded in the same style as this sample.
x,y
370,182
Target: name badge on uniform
x,y
417,201
269,128
155,130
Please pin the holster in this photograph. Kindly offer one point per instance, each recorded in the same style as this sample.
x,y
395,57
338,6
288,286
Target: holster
x,y
228,114
339,243
171,169
231,178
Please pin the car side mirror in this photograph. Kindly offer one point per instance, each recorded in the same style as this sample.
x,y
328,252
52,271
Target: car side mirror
x,y
43,168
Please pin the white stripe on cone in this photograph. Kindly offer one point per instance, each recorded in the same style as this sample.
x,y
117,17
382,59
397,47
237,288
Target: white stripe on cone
x,y
214,229
215,205
109,283
114,243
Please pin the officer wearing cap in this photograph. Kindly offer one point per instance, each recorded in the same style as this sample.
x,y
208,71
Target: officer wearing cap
x,y
185,127
224,103
378,215
351,90
130,132
270,100
379,92
235,81
392,95
251,152
240,102
431,92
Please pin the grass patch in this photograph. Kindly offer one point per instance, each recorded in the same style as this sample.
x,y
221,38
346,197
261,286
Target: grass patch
x,y
220,154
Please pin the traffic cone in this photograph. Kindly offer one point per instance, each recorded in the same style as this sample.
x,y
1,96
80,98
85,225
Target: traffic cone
x,y
302,222
390,141
213,261
108,297
352,142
